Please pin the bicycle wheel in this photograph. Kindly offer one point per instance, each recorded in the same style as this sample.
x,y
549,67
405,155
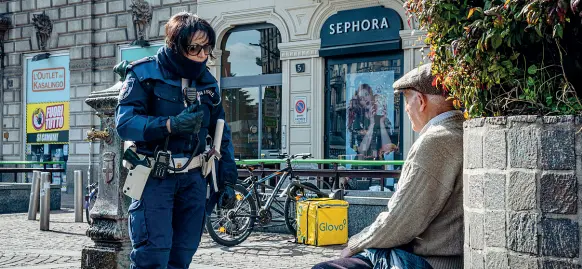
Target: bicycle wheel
x,y
90,203
291,201
230,227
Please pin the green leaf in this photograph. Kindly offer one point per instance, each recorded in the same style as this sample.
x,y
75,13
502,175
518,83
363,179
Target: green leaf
x,y
549,100
532,70
493,68
514,56
496,41
558,31
539,30
468,59
449,6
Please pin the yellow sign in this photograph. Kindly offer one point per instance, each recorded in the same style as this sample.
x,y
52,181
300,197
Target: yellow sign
x,y
47,123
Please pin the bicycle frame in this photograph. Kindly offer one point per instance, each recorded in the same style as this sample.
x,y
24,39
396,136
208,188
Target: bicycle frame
x,y
253,187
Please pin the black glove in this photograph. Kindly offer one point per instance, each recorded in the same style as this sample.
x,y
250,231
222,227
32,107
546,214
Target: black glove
x,y
188,122
227,198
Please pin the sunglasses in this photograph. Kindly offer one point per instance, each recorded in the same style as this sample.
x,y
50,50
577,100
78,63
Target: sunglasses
x,y
194,50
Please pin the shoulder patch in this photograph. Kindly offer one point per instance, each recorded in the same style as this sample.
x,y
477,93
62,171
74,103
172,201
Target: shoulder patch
x,y
209,94
126,88
142,60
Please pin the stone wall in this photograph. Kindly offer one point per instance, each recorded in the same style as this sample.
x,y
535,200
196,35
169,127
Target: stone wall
x,y
522,179
14,198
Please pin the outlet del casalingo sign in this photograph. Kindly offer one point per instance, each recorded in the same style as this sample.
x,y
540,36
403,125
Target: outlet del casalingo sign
x,y
358,27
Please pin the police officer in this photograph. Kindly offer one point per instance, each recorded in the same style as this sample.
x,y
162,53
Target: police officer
x,y
160,115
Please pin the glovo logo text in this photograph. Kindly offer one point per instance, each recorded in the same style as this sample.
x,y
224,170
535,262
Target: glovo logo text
x,y
330,227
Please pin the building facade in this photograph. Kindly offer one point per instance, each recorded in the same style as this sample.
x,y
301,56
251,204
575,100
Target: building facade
x,y
296,76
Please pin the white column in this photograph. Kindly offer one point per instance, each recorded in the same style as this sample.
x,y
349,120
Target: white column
x,y
303,137
412,43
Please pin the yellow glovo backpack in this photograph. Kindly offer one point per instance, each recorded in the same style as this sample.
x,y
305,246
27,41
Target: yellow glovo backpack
x,y
322,222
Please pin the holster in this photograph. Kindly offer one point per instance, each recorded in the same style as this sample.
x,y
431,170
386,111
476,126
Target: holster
x,y
136,181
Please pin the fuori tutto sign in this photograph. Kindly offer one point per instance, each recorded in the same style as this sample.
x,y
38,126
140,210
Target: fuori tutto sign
x,y
47,123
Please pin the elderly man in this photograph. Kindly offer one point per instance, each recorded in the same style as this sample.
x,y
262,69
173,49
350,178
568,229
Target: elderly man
x,y
423,226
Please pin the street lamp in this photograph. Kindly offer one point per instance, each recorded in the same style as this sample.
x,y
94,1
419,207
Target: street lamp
x,y
4,25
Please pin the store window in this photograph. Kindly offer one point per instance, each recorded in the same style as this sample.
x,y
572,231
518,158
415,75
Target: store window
x,y
251,90
250,52
363,115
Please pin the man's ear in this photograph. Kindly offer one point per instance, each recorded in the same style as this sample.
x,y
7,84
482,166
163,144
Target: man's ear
x,y
422,101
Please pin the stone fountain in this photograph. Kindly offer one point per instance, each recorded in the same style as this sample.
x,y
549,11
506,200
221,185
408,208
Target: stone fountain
x,y
109,230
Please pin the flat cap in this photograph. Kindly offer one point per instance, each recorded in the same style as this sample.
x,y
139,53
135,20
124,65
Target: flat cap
x,y
419,79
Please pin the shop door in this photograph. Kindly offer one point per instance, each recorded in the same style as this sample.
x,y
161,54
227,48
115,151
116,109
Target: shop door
x,y
254,117
363,117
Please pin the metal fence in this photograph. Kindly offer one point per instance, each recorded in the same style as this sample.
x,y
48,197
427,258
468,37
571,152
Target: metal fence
x,y
330,170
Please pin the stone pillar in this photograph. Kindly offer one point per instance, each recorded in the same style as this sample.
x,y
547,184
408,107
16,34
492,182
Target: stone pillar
x,y
109,230
521,178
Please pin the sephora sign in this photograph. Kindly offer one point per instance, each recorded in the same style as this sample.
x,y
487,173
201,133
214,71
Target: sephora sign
x,y
360,26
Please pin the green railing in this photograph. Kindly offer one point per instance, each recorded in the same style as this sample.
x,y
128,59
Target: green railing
x,y
334,173
321,161
30,162
25,169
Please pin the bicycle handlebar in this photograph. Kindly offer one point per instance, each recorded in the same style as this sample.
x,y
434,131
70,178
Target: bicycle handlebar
x,y
294,156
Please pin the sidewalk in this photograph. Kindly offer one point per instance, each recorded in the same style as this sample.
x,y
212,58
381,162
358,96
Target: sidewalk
x,y
23,245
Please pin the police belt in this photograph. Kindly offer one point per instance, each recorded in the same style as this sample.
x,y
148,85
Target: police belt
x,y
196,163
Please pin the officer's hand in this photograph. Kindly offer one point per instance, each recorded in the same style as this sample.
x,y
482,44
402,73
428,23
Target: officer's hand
x,y
187,122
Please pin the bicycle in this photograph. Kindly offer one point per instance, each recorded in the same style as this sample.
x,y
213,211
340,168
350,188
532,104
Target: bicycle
x,y
230,227
90,199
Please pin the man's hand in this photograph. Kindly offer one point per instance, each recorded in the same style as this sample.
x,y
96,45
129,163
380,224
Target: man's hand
x,y
187,122
387,148
346,253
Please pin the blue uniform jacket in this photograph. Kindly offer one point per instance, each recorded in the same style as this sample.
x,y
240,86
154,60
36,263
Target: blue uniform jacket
x,y
150,94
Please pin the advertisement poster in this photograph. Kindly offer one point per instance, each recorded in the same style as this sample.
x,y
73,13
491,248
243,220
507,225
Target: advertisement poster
x,y
48,80
370,116
47,123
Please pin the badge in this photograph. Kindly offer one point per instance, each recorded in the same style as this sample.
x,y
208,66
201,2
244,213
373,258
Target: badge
x,y
126,88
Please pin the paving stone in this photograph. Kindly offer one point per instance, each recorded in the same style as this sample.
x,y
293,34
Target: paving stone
x,y
475,191
23,245
522,232
551,264
560,193
494,149
523,147
494,229
494,192
523,261
560,238
496,260
521,191
558,150
473,148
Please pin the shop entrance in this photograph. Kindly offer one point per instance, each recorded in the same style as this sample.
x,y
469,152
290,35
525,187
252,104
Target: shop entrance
x,y
254,116
251,89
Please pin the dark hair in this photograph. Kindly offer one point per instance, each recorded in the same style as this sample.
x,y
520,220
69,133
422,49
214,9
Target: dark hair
x,y
365,86
181,28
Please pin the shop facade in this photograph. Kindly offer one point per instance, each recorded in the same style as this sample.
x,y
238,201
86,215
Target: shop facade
x,y
296,76
330,91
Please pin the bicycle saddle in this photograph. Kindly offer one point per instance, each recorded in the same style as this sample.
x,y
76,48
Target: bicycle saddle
x,y
251,167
